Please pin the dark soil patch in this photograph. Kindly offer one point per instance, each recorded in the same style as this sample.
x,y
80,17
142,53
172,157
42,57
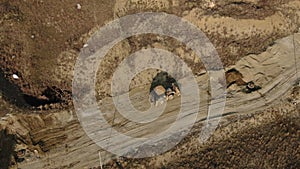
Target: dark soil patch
x,y
12,93
7,144
34,33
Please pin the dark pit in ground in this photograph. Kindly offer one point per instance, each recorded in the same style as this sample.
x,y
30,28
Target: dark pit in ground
x,y
13,94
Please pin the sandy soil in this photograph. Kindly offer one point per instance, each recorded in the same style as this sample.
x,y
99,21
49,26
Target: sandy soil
x,y
252,127
40,42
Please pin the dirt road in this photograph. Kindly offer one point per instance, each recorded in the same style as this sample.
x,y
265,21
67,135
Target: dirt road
x,y
62,142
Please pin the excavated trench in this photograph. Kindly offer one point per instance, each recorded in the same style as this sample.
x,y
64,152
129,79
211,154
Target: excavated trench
x,y
13,94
